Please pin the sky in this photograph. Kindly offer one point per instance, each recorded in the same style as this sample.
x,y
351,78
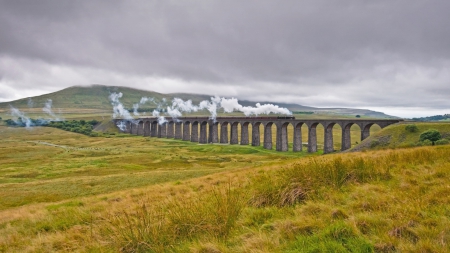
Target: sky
x,y
387,55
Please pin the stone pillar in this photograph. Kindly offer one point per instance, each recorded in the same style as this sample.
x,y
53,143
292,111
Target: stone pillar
x,y
194,132
214,132
328,139
282,138
312,138
163,130
298,138
203,133
178,134
134,128
170,130
147,128
187,131
127,125
224,132
268,136
234,133
140,130
365,131
210,130
346,141
154,129
244,133
256,141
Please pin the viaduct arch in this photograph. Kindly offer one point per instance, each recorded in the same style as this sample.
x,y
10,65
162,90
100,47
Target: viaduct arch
x,y
206,130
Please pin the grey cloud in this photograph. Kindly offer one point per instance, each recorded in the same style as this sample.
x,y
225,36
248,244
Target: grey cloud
x,y
248,48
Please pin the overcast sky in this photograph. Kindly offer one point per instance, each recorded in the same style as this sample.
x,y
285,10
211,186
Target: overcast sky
x,y
388,55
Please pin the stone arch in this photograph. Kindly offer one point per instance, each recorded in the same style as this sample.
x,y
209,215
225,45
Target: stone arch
x,y
256,137
203,132
234,136
147,128
187,131
194,131
244,133
154,129
346,142
224,132
365,130
282,143
268,135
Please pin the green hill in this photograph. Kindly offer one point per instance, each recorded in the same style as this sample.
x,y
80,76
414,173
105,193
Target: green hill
x,y
397,136
95,99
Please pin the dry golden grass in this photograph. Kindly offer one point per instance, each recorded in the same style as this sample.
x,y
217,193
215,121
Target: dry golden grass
x,y
381,201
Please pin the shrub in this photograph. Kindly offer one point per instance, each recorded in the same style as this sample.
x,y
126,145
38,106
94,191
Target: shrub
x,y
411,128
431,134
442,142
374,143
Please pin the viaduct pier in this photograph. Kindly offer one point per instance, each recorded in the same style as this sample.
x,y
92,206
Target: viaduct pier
x,y
206,130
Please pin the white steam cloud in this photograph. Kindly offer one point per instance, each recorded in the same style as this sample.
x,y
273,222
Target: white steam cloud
x,y
232,104
48,109
19,117
179,106
119,110
137,105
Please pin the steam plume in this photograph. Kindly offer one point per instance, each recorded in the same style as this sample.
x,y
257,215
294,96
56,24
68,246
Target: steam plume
x,y
48,109
19,117
119,110
141,102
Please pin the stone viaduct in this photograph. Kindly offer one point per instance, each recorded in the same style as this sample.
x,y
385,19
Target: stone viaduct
x,y
187,128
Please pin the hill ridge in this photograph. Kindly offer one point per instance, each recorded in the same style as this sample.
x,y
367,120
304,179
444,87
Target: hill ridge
x,y
95,96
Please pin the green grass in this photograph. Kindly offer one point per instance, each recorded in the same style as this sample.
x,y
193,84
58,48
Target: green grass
x,y
61,191
397,136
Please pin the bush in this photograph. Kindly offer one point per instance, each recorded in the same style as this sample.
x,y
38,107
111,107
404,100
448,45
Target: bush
x,y
431,134
425,143
374,143
411,128
442,142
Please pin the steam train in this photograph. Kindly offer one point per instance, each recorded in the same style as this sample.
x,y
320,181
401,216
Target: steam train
x,y
285,117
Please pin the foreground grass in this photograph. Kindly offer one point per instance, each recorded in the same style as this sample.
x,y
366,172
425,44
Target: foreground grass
x,y
122,194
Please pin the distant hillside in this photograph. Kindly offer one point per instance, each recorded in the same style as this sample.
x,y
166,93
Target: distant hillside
x,y
445,117
96,97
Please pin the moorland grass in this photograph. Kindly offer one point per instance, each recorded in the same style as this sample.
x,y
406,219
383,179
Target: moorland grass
x,y
248,200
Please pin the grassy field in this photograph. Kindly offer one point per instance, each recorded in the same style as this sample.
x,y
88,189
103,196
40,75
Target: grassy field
x,y
61,191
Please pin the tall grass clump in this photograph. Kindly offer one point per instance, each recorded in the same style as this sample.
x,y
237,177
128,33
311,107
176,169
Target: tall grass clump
x,y
298,182
167,226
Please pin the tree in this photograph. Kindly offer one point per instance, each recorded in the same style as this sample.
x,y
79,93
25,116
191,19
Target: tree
x,y
411,128
358,116
431,134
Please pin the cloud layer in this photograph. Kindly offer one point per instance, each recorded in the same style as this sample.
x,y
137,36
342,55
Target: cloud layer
x,y
367,54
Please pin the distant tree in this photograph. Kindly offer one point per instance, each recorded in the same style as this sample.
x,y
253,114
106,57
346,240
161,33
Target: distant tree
x,y
411,128
431,134
358,116
0,118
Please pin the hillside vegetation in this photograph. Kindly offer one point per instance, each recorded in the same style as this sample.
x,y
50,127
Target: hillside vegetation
x,y
398,136
61,191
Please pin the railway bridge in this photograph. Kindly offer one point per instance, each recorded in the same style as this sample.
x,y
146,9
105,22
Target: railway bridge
x,y
206,130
